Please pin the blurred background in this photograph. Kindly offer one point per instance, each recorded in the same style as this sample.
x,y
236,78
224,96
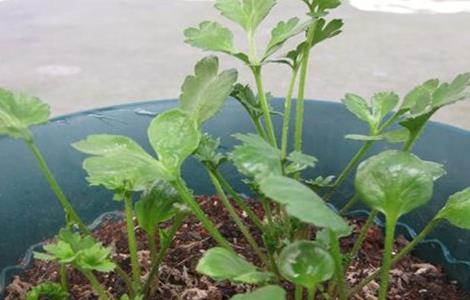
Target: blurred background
x,y
83,54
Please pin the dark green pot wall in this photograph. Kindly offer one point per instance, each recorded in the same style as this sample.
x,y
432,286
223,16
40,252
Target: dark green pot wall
x,y
29,212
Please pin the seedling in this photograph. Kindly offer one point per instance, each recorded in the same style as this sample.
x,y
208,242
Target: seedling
x,y
392,183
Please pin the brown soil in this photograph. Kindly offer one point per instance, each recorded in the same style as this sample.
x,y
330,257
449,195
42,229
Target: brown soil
x,y
411,279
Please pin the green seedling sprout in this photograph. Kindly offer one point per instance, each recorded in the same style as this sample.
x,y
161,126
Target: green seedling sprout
x,y
51,290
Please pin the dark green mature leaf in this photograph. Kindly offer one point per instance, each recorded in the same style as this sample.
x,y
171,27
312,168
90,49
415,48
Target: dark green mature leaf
x,y
204,93
245,95
270,292
324,32
306,264
302,203
327,4
395,182
358,106
457,209
174,136
283,31
18,112
51,290
221,264
211,36
156,206
256,157
247,13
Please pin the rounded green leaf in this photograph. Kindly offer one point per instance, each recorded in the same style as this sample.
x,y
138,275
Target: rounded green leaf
x,y
270,292
103,144
457,209
306,264
395,182
174,136
19,111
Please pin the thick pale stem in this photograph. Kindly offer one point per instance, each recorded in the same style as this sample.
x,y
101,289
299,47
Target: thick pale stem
x,y
239,200
152,244
132,240
287,114
164,246
102,295
387,256
363,234
299,115
200,215
236,218
311,293
405,251
264,105
299,292
350,204
71,215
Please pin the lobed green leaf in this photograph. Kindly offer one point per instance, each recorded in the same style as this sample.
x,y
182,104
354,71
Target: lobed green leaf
x,y
52,290
205,92
210,36
18,112
457,209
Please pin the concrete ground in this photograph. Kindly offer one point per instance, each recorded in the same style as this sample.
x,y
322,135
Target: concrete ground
x,y
82,54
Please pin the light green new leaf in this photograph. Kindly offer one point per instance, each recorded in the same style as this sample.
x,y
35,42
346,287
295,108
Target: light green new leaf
x,y
299,161
174,136
220,264
60,251
156,206
52,290
399,135
18,112
306,263
283,31
210,36
358,106
270,292
124,170
256,157
395,182
247,13
382,104
204,93
457,209
104,144
360,137
95,258
302,203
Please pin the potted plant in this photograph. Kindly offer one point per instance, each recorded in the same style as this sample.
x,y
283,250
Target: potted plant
x,y
293,240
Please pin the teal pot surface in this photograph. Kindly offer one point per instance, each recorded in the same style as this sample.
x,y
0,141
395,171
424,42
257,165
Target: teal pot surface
x,y
29,212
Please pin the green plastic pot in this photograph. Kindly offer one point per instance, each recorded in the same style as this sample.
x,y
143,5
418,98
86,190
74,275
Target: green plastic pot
x,y
29,212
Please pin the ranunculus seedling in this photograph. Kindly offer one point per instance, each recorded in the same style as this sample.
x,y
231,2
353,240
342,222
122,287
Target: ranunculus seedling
x,y
51,290
306,264
395,183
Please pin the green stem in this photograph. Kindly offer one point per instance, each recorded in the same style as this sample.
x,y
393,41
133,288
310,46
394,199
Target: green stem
x,y
363,234
299,117
71,215
127,280
299,292
132,240
264,105
152,244
350,204
405,251
236,218
268,213
63,277
239,200
338,257
347,170
102,295
200,215
287,114
164,246
311,293
259,127
387,256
